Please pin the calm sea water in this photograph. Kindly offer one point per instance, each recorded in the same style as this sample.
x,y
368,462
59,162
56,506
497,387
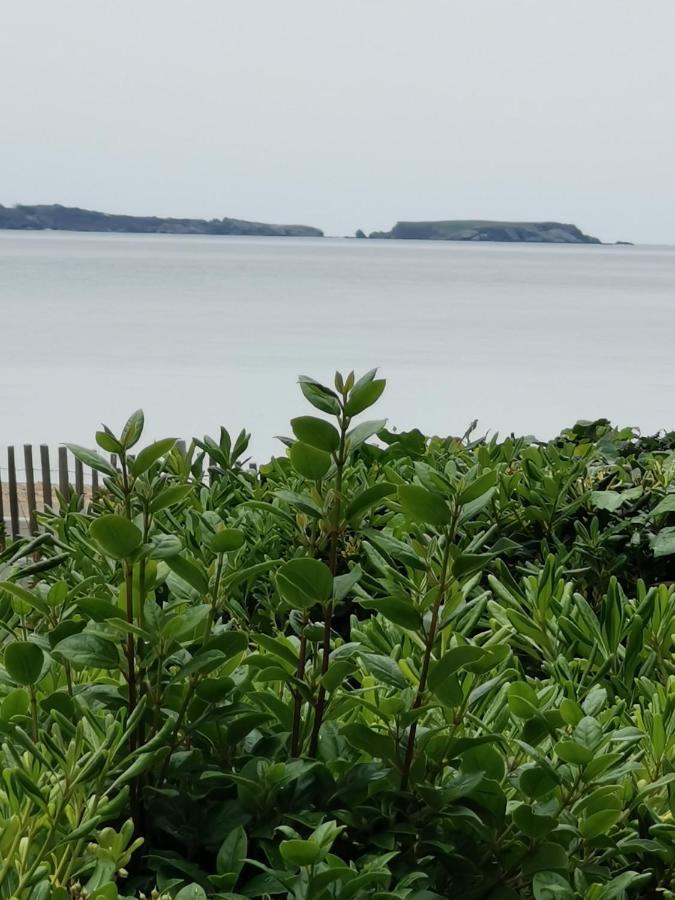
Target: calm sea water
x,y
203,331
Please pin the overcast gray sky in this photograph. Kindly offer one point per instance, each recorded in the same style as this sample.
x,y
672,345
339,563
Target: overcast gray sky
x,y
345,114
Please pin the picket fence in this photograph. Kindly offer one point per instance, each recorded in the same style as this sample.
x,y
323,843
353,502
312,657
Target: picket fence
x,y
27,489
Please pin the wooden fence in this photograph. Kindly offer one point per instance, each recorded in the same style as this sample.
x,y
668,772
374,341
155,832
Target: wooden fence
x,y
29,482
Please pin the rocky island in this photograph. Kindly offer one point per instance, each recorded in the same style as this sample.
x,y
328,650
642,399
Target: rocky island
x,y
482,230
69,218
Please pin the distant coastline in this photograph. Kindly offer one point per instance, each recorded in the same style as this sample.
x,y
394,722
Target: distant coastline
x,y
67,218
484,230
55,217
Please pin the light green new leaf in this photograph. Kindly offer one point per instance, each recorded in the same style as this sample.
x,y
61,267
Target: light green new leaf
x,y
226,540
133,429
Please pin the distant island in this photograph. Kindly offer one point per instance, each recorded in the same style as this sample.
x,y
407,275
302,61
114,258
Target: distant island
x,y
70,218
54,217
480,230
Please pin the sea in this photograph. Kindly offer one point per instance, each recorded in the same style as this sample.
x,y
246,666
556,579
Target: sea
x,y
204,331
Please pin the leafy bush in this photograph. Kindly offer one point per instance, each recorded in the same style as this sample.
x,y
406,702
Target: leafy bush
x,y
412,668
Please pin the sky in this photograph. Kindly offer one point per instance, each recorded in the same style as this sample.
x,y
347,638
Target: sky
x,y
345,114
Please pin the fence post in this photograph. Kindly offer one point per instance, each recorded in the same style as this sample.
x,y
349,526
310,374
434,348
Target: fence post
x,y
79,477
46,476
94,483
64,484
30,488
2,515
13,495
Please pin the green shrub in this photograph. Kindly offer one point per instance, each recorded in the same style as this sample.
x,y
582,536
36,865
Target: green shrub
x,y
405,668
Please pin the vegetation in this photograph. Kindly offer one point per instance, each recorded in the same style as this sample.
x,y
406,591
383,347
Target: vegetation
x,y
71,218
484,230
405,668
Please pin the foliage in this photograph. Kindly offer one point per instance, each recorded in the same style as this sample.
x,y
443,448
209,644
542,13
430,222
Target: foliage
x,y
407,667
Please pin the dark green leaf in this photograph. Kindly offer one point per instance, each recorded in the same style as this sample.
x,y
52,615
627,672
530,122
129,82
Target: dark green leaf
x,y
308,461
23,661
423,506
316,432
304,582
117,536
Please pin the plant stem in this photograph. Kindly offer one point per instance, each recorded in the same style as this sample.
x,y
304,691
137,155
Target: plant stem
x,y
173,740
332,565
300,675
34,712
131,649
421,688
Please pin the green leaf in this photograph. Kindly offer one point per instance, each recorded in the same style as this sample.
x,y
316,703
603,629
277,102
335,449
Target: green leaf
x,y
133,429
545,857
453,660
522,700
27,599
588,732
88,650
97,609
191,572
369,498
400,612
369,741
23,661
385,669
191,892
205,662
478,487
300,853
537,781
232,853
107,441
150,454
342,584
663,543
117,536
467,564
364,430
316,432
170,496
609,500
364,395
319,396
338,670
308,461
666,505
423,506
599,823
571,752
531,824
16,703
551,886
226,540
92,459
302,501
304,582
105,891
